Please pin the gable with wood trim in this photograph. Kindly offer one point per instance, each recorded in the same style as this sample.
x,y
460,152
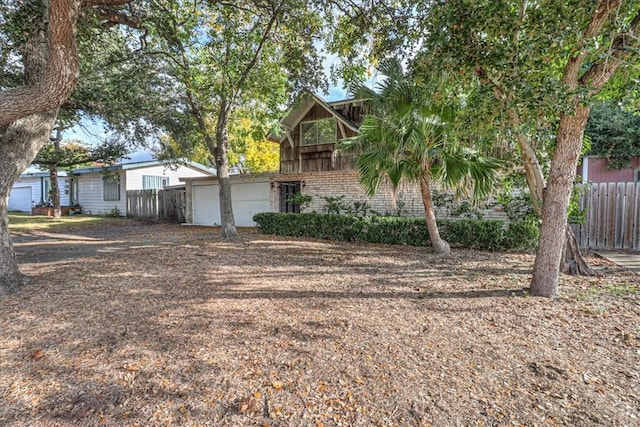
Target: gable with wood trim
x,y
310,132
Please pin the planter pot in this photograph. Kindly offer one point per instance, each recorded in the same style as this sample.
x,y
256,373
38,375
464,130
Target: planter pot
x,y
48,211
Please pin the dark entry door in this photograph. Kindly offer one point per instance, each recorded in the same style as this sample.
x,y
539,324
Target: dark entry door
x,y
287,191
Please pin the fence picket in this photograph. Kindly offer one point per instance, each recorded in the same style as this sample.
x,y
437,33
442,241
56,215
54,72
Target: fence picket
x,y
636,218
172,205
592,219
627,240
142,204
613,216
618,215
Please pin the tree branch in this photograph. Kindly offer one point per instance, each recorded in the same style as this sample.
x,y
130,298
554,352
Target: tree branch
x,y
94,3
256,55
600,16
601,71
61,73
113,18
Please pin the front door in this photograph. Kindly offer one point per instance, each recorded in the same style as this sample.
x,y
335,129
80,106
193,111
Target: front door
x,y
287,191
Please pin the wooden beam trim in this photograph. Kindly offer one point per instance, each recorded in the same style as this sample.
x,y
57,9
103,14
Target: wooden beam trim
x,y
342,130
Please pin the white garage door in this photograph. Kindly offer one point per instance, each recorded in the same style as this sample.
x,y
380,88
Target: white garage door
x,y
20,199
206,207
248,198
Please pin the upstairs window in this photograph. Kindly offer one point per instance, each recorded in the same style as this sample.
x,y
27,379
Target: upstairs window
x,y
319,132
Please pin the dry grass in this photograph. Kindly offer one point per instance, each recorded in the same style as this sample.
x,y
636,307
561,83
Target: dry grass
x,y
22,222
139,324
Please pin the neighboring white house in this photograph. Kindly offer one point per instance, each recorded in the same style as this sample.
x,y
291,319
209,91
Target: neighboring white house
x,y
251,194
100,190
34,188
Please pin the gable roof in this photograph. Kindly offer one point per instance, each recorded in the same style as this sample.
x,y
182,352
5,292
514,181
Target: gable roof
x,y
301,108
138,165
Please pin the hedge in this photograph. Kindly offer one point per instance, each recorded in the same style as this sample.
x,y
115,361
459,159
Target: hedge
x,y
468,233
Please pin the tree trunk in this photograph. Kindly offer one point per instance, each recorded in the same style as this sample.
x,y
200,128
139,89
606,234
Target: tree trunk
x,y
556,203
53,177
20,141
55,192
439,246
10,277
229,230
532,169
19,145
573,262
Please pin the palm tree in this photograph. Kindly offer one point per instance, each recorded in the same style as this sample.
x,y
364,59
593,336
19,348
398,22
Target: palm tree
x,y
404,137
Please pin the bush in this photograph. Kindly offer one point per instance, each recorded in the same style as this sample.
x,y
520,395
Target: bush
x,y
522,235
468,233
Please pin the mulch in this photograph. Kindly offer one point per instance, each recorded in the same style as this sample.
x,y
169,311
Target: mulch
x,y
155,324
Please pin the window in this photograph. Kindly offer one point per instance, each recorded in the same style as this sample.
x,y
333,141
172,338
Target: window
x,y
287,191
111,188
318,132
636,175
46,196
150,182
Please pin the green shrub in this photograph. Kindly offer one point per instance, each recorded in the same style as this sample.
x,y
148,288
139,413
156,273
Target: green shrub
x,y
468,233
474,233
521,235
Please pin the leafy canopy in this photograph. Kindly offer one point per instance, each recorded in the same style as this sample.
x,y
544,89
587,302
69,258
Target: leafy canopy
x,y
614,134
407,137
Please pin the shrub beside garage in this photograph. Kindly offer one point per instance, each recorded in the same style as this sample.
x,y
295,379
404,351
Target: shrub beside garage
x,y
492,235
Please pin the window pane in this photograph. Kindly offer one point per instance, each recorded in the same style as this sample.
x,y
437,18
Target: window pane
x,y
326,131
111,189
150,182
309,133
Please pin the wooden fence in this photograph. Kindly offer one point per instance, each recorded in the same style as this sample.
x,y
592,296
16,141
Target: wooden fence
x,y
165,205
613,216
142,204
172,203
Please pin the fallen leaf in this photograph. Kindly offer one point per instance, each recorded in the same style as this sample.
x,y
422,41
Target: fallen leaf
x,y
37,355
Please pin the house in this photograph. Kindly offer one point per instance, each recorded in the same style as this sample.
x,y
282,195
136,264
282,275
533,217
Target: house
x,y
309,165
594,169
103,189
33,189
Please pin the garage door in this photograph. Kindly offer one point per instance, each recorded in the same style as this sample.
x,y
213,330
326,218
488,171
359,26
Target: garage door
x,y
206,207
20,199
248,198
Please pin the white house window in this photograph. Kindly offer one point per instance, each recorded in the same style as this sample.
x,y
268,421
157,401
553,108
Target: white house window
x,y
111,188
150,182
319,132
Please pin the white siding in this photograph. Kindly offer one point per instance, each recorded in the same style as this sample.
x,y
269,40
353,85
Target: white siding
x,y
134,176
90,187
35,182
91,197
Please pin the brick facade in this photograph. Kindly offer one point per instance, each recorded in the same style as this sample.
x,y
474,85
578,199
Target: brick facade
x,y
319,185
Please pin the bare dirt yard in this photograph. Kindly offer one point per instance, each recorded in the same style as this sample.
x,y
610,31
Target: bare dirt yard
x,y
129,324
